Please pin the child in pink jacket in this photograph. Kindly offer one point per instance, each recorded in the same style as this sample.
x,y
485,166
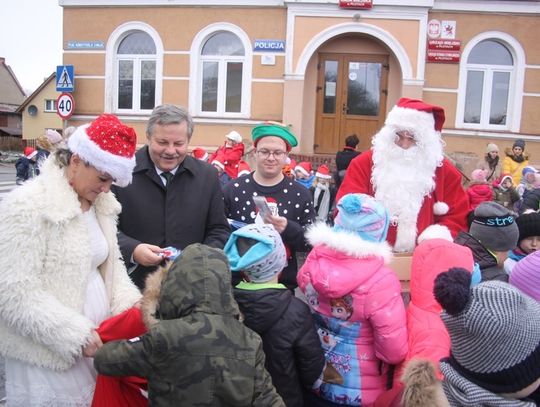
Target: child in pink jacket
x,y
356,301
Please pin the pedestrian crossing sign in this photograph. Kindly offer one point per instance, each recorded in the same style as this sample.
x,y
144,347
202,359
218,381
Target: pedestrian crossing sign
x,y
65,81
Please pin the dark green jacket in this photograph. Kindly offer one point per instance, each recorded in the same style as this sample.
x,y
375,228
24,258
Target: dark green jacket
x,y
198,354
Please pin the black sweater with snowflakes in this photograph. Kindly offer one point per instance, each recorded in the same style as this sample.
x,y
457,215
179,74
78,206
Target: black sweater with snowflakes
x,y
288,199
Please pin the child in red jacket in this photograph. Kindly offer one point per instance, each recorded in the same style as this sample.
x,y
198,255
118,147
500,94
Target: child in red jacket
x,y
226,157
479,190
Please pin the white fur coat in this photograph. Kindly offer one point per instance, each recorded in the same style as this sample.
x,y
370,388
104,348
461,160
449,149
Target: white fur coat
x,y
44,263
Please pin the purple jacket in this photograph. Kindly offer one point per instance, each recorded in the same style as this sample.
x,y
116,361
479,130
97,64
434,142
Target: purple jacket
x,y
358,309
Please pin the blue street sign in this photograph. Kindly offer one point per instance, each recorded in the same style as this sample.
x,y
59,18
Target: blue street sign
x,y
269,45
65,79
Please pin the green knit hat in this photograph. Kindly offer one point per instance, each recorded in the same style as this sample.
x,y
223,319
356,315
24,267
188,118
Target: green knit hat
x,y
274,129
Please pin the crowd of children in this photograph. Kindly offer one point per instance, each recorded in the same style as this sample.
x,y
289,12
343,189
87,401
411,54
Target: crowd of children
x,y
470,335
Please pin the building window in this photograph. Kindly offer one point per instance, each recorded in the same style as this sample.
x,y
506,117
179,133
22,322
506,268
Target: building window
x,y
222,65
133,69
220,84
491,83
50,105
489,68
136,72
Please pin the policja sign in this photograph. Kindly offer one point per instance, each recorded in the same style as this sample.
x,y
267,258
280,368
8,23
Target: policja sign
x,y
269,45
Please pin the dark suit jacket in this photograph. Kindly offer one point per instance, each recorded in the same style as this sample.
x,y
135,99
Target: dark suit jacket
x,y
189,211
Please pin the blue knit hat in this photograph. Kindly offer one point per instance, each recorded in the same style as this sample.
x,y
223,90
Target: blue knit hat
x,y
257,250
363,215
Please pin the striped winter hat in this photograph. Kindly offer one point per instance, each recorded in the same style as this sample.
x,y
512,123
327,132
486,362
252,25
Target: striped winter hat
x,y
494,331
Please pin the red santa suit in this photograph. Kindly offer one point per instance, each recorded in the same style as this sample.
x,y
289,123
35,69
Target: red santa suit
x,y
418,186
227,157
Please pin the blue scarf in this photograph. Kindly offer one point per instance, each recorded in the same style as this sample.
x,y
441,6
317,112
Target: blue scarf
x,y
306,182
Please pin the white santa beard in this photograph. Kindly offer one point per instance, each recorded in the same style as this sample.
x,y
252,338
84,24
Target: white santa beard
x,y
402,178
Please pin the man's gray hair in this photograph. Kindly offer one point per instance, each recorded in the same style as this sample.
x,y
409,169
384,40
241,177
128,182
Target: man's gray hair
x,y
169,114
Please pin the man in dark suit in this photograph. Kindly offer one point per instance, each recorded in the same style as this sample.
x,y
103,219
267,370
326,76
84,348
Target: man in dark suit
x,y
174,199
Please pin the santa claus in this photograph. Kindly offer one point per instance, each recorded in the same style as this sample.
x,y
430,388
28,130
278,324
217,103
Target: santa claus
x,y
407,172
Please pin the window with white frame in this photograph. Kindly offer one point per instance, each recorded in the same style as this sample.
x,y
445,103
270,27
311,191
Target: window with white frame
x,y
135,68
222,63
489,84
50,105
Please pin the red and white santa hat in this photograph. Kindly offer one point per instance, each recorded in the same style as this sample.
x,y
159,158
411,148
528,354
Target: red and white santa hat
x,y
108,145
304,167
200,153
30,152
243,168
415,115
323,172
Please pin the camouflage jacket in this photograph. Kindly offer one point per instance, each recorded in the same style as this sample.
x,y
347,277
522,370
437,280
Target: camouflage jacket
x,y
198,353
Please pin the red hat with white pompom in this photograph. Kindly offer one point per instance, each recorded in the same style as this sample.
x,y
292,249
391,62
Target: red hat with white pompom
x,y
108,145
323,172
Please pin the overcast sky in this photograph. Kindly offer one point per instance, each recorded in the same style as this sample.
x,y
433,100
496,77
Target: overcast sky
x,y
31,39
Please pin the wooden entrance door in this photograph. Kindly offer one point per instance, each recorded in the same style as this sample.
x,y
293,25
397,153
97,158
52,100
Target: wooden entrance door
x,y
351,98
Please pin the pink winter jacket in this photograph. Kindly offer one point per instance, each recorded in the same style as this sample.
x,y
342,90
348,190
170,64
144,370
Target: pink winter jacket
x,y
358,310
428,337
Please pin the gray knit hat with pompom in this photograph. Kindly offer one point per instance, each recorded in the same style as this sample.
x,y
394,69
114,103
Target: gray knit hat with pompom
x,y
494,331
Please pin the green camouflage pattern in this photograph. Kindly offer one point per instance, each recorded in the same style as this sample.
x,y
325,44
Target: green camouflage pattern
x,y
199,354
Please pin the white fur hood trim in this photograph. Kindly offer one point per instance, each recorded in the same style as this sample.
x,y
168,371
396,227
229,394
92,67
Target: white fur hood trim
x,y
348,243
435,232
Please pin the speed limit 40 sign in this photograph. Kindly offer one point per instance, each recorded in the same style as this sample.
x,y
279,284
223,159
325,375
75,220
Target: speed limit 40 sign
x,y
65,105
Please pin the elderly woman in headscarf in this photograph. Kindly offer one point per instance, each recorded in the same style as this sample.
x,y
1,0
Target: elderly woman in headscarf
x,y
62,272
515,161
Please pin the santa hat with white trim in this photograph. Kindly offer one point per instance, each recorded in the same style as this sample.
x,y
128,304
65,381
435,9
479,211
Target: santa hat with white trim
x,y
323,172
200,153
304,167
108,145
423,119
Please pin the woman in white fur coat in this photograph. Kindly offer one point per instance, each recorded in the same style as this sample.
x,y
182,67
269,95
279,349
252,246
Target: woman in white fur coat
x,y
61,268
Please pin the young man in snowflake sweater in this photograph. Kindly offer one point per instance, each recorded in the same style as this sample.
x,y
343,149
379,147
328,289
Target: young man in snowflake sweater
x,y
291,206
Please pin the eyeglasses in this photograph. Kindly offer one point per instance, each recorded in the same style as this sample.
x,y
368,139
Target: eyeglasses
x,y
404,135
278,154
